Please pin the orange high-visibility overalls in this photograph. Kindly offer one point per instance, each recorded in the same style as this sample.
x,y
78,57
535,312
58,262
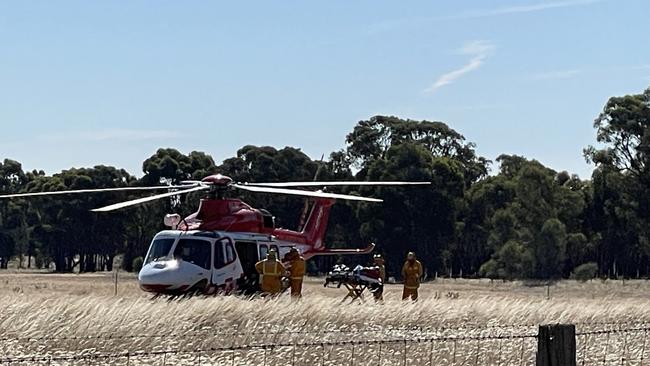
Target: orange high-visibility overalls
x,y
411,273
297,272
271,271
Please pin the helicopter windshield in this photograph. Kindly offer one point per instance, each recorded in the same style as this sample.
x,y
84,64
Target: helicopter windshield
x,y
160,250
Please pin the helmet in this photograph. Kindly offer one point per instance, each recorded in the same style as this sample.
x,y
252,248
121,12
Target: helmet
x,y
271,255
377,258
410,255
293,253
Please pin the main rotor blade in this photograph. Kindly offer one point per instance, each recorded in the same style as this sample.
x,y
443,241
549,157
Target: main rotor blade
x,y
298,192
339,183
94,190
146,199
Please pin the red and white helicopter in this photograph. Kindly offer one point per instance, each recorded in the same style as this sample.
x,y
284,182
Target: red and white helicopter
x,y
215,249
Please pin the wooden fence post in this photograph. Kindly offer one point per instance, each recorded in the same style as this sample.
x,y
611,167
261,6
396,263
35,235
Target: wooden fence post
x,y
556,345
115,289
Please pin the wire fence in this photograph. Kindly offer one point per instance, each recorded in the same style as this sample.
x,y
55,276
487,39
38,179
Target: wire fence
x,y
610,344
299,331
617,346
467,350
226,333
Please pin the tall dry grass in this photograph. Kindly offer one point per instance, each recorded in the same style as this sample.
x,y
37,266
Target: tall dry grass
x,y
74,314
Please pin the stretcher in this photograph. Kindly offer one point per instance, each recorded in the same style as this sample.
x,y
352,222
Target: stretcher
x,y
355,281
355,291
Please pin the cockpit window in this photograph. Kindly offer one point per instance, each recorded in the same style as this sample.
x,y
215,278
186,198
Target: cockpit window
x,y
159,250
194,251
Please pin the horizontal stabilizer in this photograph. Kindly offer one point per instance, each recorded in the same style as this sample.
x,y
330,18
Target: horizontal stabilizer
x,y
326,251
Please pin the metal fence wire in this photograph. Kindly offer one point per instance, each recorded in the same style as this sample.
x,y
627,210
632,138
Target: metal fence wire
x,y
7,336
456,350
596,344
613,346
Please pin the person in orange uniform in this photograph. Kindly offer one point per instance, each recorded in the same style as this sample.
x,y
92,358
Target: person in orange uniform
x,y
411,272
296,271
272,271
378,261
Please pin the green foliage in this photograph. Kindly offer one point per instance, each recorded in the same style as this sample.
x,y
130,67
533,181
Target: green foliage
x,y
585,272
624,127
372,139
503,228
578,249
137,264
513,260
170,165
489,269
620,207
550,249
526,221
7,249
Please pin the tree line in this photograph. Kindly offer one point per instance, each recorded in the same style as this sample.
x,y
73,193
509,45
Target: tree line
x,y
524,220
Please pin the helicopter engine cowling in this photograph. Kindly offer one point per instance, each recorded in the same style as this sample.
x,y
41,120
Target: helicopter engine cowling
x,y
228,215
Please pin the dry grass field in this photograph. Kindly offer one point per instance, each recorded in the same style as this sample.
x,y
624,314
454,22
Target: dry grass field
x,y
76,319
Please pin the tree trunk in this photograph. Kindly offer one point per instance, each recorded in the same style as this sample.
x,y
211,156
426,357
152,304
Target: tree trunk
x,y
109,263
127,263
60,263
72,264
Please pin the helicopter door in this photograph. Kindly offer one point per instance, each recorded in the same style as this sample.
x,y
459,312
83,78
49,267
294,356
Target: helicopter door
x,y
193,257
247,251
226,267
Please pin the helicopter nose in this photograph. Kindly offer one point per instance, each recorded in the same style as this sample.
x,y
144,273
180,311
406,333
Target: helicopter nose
x,y
157,277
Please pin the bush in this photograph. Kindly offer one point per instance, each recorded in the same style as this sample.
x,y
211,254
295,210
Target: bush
x,y
489,269
137,264
585,272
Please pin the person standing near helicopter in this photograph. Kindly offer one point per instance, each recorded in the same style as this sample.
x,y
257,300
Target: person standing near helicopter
x,y
411,272
378,261
272,271
296,264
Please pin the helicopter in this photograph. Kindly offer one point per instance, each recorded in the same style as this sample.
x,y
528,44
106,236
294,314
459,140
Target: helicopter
x,y
214,250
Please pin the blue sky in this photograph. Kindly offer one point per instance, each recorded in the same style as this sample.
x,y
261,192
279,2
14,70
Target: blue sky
x,y
89,82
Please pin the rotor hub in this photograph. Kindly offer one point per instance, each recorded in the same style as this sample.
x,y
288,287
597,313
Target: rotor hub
x,y
217,180
219,184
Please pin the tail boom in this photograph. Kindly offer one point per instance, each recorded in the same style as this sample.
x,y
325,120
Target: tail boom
x,y
357,251
312,235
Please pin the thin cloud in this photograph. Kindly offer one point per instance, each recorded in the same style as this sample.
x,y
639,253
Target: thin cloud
x,y
479,50
392,24
530,8
112,135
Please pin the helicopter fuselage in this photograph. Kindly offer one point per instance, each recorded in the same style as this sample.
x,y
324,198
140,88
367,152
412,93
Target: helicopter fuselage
x,y
204,252
207,261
